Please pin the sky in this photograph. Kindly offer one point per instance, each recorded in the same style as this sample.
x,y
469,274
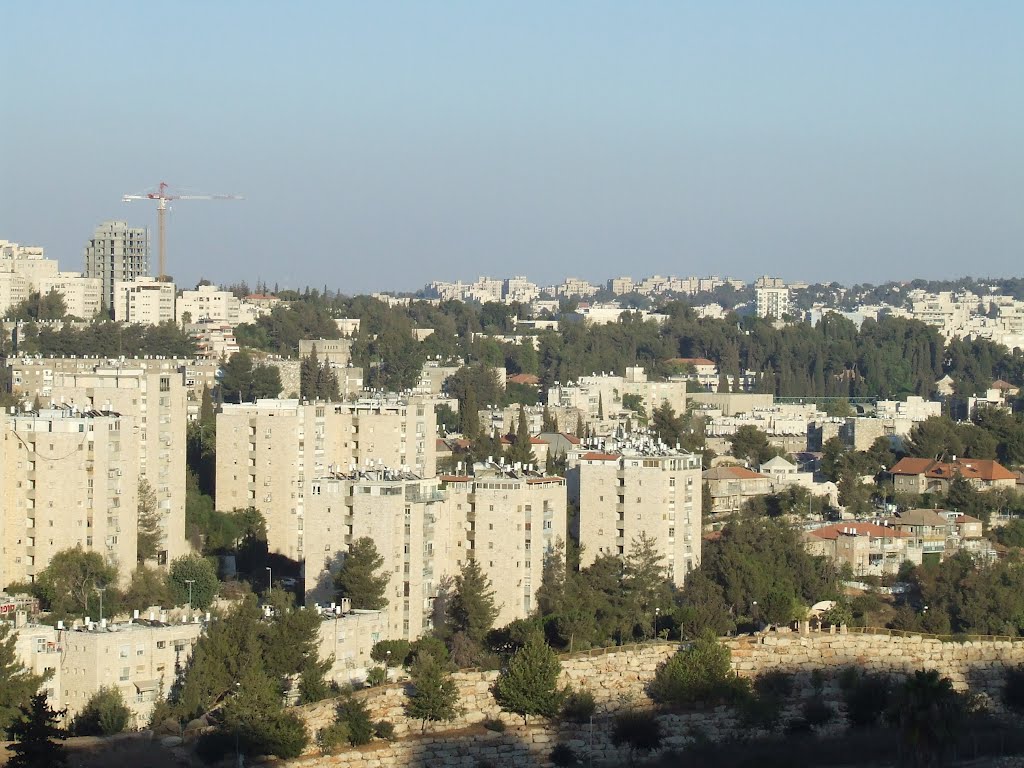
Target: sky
x,y
382,145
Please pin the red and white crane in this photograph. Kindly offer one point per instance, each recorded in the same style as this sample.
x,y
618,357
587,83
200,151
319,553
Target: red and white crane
x,y
162,197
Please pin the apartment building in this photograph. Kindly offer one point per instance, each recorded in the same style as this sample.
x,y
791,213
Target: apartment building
x,y
208,303
772,298
403,514
151,397
640,489
144,300
605,391
140,658
268,450
509,521
117,252
83,296
335,351
69,478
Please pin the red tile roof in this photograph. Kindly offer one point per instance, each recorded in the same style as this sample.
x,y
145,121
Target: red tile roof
x,y
596,456
692,361
524,378
736,473
980,469
833,532
455,478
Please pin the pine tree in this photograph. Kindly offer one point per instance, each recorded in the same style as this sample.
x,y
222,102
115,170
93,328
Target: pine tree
x,y
309,372
529,684
17,684
359,578
470,416
36,736
434,696
206,414
148,535
472,610
600,406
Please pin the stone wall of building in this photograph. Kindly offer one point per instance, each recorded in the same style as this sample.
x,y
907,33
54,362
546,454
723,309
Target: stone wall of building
x,y
618,678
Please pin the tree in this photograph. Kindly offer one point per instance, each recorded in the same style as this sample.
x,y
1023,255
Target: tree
x,y
645,581
359,578
148,587
749,442
640,731
68,584
105,714
434,696
149,535
472,610
199,570
17,684
927,711
309,371
36,736
700,673
256,716
529,684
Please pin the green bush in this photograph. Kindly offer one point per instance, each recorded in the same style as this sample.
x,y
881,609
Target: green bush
x,y
394,653
356,717
377,676
775,684
866,699
699,674
430,645
493,724
104,714
640,731
564,756
384,729
817,713
578,706
332,738
214,746
283,735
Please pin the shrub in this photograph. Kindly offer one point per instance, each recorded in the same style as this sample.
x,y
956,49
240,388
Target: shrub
x,y
356,717
393,653
579,706
817,713
377,676
1013,689
563,756
700,673
492,724
430,645
332,737
866,699
640,731
214,746
104,714
760,711
384,729
776,685
283,735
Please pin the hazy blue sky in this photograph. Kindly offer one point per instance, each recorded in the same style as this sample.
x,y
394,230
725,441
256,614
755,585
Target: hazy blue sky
x,y
381,145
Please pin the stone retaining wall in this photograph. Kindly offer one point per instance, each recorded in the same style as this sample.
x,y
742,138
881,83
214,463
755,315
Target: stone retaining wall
x,y
618,678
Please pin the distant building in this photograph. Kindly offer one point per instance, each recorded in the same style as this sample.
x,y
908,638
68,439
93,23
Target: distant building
x,y
772,298
208,303
144,300
732,487
869,549
911,475
117,252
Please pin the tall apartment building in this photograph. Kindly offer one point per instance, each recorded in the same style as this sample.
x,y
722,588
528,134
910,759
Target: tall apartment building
x,y
268,450
405,517
640,490
772,297
68,478
150,396
509,521
117,252
147,301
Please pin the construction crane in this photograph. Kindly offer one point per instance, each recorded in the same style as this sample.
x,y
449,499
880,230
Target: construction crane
x,y
162,197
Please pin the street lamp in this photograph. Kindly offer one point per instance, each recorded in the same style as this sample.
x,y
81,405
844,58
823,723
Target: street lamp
x,y
270,579
190,582
657,612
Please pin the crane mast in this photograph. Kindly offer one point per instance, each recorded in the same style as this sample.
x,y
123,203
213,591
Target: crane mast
x,y
162,195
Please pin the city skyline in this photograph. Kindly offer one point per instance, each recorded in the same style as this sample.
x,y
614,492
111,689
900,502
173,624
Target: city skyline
x,y
380,149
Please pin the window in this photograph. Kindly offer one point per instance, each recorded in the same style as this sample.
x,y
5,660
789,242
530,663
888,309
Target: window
x,y
125,674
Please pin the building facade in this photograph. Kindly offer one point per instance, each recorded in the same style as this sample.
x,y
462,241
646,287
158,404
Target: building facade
x,y
117,252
